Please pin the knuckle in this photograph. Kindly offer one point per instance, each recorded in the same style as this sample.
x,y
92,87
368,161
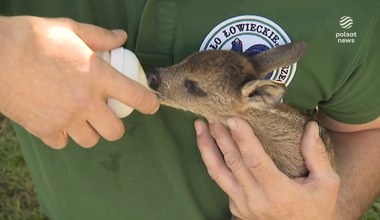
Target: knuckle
x,y
233,160
253,163
254,209
154,108
81,101
330,182
115,132
89,142
55,141
45,132
54,145
253,204
259,210
216,131
65,117
333,181
220,134
67,21
234,210
275,201
137,98
214,175
59,145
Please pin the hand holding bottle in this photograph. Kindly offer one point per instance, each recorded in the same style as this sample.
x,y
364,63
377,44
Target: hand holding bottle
x,y
54,85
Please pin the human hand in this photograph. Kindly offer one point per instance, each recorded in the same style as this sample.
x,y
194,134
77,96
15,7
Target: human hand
x,y
54,85
237,162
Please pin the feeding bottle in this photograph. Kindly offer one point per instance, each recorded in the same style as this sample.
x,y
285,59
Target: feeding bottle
x,y
125,62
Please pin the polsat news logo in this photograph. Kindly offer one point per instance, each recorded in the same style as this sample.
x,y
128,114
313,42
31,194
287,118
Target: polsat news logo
x,y
345,37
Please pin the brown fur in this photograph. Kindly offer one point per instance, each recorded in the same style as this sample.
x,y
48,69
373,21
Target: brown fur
x,y
221,84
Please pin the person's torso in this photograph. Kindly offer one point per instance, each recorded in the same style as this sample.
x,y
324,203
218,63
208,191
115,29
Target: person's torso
x,y
155,170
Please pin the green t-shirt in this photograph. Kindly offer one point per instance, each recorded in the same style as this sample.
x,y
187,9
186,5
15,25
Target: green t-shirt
x,y
155,170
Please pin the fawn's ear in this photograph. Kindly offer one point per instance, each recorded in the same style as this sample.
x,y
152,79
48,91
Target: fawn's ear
x,y
263,94
277,57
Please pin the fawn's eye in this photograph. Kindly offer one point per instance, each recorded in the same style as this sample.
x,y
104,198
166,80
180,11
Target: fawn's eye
x,y
192,87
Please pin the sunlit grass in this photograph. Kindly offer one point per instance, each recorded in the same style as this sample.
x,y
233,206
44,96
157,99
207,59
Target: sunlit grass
x,y
17,195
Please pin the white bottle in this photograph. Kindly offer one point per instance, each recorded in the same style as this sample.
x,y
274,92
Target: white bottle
x,y
125,62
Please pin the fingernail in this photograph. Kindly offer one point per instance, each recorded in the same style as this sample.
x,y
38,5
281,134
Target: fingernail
x,y
119,32
232,123
316,129
198,127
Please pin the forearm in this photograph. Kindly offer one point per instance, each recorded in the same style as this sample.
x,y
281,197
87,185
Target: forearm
x,y
358,164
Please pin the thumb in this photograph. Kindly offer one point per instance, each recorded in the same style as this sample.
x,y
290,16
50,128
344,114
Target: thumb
x,y
314,151
98,38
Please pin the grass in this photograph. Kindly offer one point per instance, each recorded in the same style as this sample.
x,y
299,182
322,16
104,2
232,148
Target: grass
x,y
17,196
373,213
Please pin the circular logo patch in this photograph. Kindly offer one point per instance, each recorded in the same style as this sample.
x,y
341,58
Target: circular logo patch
x,y
250,35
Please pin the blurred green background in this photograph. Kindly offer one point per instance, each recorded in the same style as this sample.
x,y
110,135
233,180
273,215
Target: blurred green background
x,y
17,196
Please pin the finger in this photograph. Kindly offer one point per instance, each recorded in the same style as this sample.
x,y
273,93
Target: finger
x,y
123,89
235,211
105,122
314,151
257,160
57,141
214,162
83,134
98,38
232,155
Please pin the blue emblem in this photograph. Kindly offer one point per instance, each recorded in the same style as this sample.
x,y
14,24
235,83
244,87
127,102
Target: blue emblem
x,y
237,46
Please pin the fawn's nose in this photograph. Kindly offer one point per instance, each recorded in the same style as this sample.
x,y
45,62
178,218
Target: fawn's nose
x,y
154,79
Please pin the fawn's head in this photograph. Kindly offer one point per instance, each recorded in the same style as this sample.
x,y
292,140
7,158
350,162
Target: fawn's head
x,y
224,82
